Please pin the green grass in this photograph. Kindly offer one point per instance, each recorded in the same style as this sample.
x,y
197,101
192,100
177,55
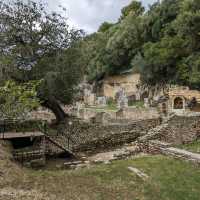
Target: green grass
x,y
138,104
112,108
193,147
169,179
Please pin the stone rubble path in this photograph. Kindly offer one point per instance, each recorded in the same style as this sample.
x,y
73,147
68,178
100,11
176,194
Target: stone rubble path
x,y
128,151
113,155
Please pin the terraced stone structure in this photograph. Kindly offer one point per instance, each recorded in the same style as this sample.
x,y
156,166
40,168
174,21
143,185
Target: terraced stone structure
x,y
91,137
176,130
181,129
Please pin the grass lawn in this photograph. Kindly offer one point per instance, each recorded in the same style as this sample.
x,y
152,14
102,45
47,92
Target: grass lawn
x,y
138,104
169,179
112,108
193,147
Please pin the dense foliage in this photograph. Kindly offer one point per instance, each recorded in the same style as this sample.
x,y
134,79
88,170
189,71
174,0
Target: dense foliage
x,y
37,45
16,101
163,43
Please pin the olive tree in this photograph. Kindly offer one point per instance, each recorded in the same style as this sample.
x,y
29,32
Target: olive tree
x,y
37,45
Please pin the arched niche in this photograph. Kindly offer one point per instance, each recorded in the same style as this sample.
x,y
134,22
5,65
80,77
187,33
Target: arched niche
x,y
178,103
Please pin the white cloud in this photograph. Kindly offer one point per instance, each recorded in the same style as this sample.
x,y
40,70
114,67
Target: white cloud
x,y
90,14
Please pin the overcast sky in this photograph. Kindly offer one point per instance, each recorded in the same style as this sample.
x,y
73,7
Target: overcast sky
x,y
89,14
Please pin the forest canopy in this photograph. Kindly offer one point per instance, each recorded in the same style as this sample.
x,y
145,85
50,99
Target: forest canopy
x,y
162,43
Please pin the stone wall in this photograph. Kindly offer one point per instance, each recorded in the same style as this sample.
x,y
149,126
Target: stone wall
x,y
138,113
42,115
181,130
86,114
92,115
96,136
158,147
123,116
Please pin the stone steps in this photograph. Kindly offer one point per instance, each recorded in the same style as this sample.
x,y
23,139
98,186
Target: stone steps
x,y
153,133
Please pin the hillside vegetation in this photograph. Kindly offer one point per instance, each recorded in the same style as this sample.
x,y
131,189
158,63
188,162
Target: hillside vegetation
x,y
163,44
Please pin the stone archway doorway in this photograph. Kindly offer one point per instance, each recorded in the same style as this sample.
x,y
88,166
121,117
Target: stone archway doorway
x,y
178,103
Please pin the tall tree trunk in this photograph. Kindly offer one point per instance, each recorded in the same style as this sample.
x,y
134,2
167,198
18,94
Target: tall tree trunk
x,y
55,107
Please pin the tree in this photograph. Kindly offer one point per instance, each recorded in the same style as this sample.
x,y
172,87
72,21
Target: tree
x,y
187,27
135,8
37,45
105,27
127,40
173,55
16,101
161,61
112,48
94,54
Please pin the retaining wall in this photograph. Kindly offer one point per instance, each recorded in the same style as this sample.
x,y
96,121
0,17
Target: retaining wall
x,y
181,130
95,136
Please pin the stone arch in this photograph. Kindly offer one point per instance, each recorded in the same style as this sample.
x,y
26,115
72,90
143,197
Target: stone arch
x,y
179,103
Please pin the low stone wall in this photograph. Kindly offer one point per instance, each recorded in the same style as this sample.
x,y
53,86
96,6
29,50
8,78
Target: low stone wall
x,y
42,115
138,113
92,115
86,114
158,147
96,136
176,130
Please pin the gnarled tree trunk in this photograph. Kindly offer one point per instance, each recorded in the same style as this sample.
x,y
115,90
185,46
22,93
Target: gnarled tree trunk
x,y
55,107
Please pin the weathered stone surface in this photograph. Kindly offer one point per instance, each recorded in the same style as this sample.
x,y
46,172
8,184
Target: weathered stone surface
x,y
153,133
112,84
180,153
157,147
181,130
134,113
73,164
102,117
117,154
38,163
96,136
138,173
176,130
